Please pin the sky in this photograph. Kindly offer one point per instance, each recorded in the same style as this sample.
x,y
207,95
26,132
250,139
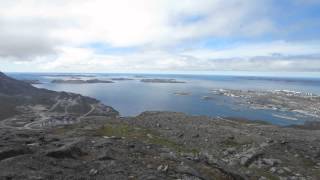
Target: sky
x,y
160,36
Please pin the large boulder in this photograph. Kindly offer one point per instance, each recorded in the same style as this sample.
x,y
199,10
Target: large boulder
x,y
12,152
67,151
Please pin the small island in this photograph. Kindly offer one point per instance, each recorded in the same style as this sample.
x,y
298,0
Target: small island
x,y
121,79
79,81
207,98
69,75
182,93
161,81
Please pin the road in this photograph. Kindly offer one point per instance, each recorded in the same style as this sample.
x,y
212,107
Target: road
x,y
44,116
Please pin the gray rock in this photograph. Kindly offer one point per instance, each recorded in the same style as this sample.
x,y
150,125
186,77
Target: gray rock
x,y
67,151
273,170
170,156
287,169
196,136
244,160
250,158
93,172
269,140
263,178
163,168
280,171
271,162
187,177
183,169
228,151
262,145
233,163
12,152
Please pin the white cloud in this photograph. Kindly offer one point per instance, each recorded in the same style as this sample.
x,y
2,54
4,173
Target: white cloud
x,y
130,23
258,49
274,56
52,35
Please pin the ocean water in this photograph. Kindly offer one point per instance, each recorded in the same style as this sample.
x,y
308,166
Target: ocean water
x,y
131,97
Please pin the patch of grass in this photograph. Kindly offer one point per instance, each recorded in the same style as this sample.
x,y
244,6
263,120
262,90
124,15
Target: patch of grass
x,y
235,142
307,162
64,129
267,174
8,107
316,173
247,121
231,143
142,134
61,130
115,130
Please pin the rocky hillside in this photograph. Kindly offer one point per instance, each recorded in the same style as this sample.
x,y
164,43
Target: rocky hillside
x,y
255,150
10,86
18,98
160,145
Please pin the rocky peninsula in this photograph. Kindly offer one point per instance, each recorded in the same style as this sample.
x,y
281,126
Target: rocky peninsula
x,y
303,104
59,135
32,81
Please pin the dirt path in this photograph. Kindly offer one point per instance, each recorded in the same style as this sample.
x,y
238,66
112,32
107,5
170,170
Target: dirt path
x,y
42,119
55,105
44,116
4,125
86,114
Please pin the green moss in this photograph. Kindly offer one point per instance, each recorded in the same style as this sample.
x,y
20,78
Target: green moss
x,y
316,173
62,130
269,176
307,162
235,143
230,143
264,173
115,130
145,135
130,132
